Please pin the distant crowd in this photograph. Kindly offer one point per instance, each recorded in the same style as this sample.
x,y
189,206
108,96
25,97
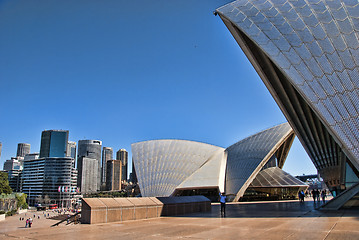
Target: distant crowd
x,y
315,193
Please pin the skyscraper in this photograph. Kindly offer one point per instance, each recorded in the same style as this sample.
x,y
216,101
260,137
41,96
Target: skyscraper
x,y
113,175
122,155
89,150
44,176
107,154
12,164
54,143
23,149
87,174
71,149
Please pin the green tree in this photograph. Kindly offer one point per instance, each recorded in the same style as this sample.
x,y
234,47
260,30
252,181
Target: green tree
x,y
4,183
21,200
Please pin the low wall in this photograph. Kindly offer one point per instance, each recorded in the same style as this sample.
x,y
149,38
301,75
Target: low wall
x,y
104,210
20,211
173,206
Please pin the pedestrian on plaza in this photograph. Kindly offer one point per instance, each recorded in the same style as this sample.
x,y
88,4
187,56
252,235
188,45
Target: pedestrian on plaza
x,y
318,195
314,195
30,222
27,223
222,200
301,196
324,194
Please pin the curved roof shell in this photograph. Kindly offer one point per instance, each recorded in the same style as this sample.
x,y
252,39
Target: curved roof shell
x,y
162,165
247,157
307,54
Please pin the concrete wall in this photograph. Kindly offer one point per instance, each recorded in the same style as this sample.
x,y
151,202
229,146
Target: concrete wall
x,y
20,211
104,210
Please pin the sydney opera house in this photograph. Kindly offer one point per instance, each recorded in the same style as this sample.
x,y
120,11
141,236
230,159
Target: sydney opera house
x,y
250,169
307,54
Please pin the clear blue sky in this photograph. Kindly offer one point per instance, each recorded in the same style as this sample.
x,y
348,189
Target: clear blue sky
x,y
128,71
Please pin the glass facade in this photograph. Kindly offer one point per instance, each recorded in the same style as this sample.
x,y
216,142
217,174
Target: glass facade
x,y
351,177
44,176
54,143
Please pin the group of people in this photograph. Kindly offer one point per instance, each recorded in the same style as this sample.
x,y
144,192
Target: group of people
x,y
315,193
28,222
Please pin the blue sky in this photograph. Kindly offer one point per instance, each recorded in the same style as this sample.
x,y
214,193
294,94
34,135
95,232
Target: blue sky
x,y
128,71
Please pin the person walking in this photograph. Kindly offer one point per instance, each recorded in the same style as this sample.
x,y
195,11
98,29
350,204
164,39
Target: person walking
x,y
222,200
27,223
318,195
301,196
314,195
324,194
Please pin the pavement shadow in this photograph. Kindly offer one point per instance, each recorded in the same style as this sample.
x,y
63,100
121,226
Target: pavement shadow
x,y
278,209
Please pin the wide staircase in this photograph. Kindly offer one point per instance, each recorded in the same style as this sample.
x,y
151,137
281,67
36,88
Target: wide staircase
x,y
349,198
64,218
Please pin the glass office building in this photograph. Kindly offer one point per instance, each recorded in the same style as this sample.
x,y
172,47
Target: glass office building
x,y
43,176
54,143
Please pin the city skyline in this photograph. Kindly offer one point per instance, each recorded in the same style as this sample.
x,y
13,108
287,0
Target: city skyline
x,y
123,74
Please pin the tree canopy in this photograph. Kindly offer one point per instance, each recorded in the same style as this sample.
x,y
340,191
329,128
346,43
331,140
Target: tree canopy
x,y
4,184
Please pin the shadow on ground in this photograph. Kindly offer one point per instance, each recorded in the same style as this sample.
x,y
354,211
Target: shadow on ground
x,y
276,209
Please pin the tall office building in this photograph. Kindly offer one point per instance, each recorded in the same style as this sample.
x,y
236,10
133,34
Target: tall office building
x,y
89,150
54,143
122,155
107,154
113,175
12,164
23,149
71,149
87,174
44,176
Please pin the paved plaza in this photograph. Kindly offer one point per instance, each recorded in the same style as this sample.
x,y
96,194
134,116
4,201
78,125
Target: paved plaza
x,y
261,220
